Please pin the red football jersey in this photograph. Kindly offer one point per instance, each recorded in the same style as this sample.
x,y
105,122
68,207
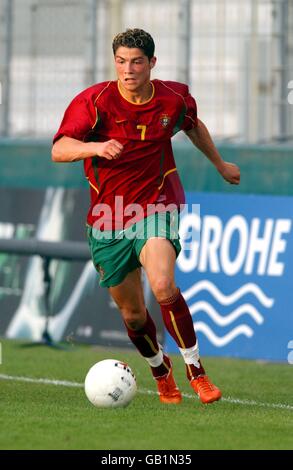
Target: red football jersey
x,y
145,174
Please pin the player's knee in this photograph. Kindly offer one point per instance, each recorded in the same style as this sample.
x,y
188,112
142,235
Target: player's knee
x,y
134,319
163,287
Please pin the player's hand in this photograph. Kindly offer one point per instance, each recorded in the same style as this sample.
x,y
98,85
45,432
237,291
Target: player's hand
x,y
230,172
111,149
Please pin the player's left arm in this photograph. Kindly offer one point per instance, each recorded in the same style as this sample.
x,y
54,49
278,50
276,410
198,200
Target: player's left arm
x,y
201,138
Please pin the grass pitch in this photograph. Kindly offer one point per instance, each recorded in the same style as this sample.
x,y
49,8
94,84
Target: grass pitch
x,y
255,413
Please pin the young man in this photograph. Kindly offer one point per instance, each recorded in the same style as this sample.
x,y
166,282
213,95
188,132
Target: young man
x,y
122,130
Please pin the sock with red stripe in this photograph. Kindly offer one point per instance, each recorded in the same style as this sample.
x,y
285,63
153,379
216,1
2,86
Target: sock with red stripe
x,y
145,341
178,321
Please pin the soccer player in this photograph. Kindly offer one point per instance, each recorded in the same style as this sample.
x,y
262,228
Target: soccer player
x,y
122,131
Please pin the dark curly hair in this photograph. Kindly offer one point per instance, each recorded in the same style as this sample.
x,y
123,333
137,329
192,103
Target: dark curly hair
x,y
135,38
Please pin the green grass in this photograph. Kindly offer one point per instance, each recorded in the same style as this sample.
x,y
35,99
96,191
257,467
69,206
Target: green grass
x,y
39,416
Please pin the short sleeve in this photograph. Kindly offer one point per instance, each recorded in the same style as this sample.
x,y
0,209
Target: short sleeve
x,y
190,118
77,120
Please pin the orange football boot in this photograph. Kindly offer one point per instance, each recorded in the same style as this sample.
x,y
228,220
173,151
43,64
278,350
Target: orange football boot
x,y
204,388
168,390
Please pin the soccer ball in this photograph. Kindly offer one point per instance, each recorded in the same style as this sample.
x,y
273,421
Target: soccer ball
x,y
110,384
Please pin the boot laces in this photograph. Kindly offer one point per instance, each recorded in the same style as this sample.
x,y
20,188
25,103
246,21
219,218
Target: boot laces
x,y
166,385
204,384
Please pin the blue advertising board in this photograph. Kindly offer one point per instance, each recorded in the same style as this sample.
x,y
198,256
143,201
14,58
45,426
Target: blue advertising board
x,y
236,274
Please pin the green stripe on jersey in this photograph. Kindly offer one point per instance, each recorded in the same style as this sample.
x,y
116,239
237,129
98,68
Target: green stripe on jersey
x,y
95,167
179,122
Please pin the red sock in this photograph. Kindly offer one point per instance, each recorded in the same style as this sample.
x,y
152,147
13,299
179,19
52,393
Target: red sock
x,y
178,321
145,340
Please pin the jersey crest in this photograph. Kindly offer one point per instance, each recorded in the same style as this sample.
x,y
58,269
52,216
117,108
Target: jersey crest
x,y
165,120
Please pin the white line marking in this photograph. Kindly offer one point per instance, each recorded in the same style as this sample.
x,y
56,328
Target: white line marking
x,y
18,378
66,383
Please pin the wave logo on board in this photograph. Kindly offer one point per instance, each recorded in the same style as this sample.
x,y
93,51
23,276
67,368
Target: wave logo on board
x,y
236,314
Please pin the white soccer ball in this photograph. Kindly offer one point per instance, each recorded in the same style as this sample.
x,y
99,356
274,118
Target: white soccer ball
x,y
110,384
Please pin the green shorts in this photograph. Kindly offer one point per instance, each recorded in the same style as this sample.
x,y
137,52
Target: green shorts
x,y
116,253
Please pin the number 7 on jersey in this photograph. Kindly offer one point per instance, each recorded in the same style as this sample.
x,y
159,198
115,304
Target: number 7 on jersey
x,y
143,128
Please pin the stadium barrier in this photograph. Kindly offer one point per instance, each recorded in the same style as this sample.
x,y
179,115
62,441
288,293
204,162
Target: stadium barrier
x,y
66,251
69,250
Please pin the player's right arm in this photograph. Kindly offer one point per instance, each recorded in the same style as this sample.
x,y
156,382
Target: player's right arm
x,y
72,142
67,149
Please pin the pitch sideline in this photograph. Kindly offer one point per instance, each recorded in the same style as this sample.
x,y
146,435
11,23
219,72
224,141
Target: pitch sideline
x,y
66,383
